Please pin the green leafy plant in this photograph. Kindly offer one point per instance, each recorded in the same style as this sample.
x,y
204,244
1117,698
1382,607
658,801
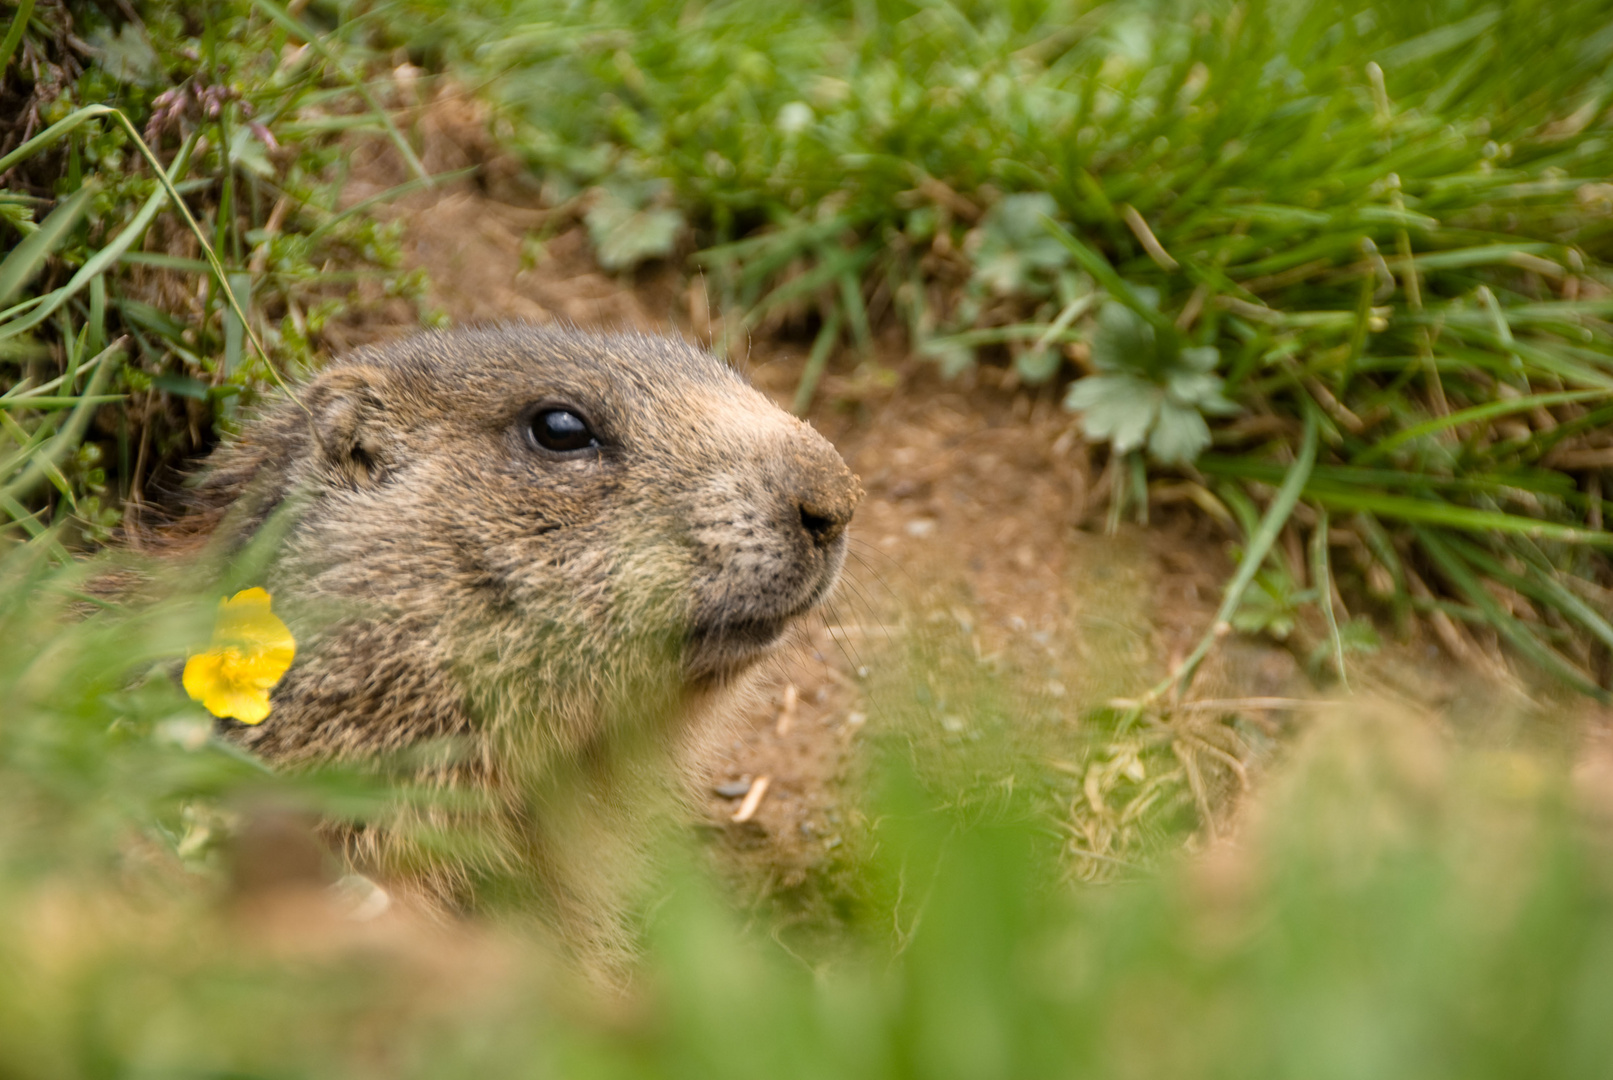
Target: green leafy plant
x,y
627,227
1272,604
1015,256
1148,389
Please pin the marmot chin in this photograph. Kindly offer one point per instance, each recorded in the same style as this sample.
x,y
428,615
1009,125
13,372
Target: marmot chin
x,y
546,551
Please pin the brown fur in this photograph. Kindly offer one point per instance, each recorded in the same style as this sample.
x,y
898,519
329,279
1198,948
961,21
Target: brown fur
x,y
549,626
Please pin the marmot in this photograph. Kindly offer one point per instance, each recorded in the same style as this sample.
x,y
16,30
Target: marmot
x,y
536,554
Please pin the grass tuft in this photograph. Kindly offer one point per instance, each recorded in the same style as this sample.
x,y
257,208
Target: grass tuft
x,y
131,146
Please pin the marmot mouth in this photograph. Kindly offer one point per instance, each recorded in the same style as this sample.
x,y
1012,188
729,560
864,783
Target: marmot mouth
x,y
725,648
719,647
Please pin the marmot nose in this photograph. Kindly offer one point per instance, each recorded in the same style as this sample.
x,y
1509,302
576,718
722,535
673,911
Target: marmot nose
x,y
824,526
820,489
825,496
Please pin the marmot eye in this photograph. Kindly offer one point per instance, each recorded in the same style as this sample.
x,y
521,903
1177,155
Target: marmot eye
x,y
562,429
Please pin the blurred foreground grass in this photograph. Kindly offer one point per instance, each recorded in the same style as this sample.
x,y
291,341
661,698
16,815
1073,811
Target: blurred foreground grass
x,y
1406,897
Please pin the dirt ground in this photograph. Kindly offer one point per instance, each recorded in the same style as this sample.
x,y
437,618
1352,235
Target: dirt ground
x,y
984,510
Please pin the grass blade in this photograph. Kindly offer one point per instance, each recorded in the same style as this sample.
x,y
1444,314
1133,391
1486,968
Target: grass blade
x,y
817,360
49,137
28,256
1254,556
1543,587
109,254
1477,413
44,458
1112,282
19,24
1514,630
1322,576
1449,515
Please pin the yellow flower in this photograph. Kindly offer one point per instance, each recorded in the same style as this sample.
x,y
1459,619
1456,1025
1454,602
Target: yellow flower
x,y
251,650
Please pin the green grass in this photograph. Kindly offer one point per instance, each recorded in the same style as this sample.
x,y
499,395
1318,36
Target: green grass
x,y
1225,217
107,297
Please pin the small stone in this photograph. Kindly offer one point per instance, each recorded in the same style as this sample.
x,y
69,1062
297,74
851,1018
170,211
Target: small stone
x,y
733,789
363,898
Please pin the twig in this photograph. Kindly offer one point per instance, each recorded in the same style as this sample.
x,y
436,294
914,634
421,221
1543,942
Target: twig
x,y
786,713
753,799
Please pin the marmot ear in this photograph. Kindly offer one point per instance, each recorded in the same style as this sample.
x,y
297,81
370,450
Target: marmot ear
x,y
350,428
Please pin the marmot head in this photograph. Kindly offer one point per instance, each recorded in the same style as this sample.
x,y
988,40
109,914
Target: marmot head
x,y
510,511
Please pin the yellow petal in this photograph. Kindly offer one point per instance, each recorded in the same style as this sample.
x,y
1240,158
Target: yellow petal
x,y
255,597
245,617
261,670
203,675
246,704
